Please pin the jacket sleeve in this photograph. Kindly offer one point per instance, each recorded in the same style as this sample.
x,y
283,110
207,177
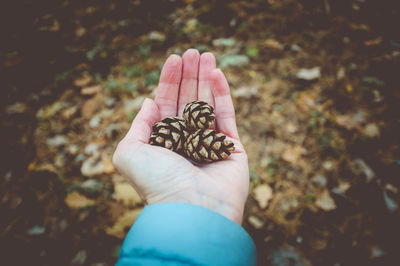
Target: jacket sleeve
x,y
185,234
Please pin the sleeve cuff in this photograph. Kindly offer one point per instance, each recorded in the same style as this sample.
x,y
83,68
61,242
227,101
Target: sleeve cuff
x,y
189,234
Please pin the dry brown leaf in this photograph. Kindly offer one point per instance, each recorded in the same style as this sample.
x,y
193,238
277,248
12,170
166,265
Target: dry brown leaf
x,y
306,101
69,112
371,130
108,165
256,222
272,43
292,154
90,107
351,121
95,166
75,200
123,223
290,127
325,201
263,194
82,81
373,42
127,194
91,90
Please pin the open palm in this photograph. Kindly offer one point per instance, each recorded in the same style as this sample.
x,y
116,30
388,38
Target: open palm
x,y
160,175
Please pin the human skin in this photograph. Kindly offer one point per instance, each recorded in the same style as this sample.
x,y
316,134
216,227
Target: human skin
x,y
160,175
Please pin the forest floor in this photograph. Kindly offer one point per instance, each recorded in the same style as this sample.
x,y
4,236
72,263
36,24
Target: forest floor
x,y
316,99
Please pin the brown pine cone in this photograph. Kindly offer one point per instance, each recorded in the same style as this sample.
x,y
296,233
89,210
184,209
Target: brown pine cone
x,y
206,145
170,133
198,115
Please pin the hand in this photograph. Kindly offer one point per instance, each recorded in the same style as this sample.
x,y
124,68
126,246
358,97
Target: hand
x,y
160,175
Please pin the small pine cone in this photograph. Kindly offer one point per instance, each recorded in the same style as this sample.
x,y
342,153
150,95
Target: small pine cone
x,y
206,145
198,115
170,133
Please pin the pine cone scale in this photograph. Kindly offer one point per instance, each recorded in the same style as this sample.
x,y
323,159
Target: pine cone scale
x,y
207,146
199,114
170,133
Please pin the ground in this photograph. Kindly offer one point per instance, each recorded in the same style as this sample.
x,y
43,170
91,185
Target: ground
x,y
316,96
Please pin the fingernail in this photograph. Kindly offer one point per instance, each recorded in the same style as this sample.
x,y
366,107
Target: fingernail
x,y
191,51
174,59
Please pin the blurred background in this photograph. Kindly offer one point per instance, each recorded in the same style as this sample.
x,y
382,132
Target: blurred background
x,y
315,85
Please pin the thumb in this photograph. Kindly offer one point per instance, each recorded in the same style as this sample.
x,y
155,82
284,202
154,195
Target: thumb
x,y
142,125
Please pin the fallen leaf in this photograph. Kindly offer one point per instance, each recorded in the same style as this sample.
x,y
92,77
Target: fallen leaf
x,y
127,194
123,223
224,42
75,200
342,187
325,201
309,74
306,101
263,193
273,44
16,108
293,153
91,90
389,193
91,186
245,93
372,130
319,180
67,113
108,165
57,141
361,167
256,222
290,127
82,81
156,36
96,165
374,42
89,107
233,60
79,32
79,258
49,111
36,230
351,121
49,167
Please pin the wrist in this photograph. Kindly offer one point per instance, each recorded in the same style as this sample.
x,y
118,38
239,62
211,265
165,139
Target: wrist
x,y
232,211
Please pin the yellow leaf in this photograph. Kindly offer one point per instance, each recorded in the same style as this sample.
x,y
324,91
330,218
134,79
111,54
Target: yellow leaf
x,y
349,88
123,223
127,194
76,200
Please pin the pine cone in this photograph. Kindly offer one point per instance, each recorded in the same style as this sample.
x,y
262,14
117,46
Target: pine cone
x,y
198,115
170,133
206,145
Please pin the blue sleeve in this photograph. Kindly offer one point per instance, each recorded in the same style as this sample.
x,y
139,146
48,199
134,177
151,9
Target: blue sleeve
x,y
185,234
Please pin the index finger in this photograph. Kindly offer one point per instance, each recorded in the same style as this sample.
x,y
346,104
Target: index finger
x,y
168,87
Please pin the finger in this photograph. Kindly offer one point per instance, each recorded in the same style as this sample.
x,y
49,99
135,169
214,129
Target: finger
x,y
168,87
224,110
142,125
190,72
206,66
